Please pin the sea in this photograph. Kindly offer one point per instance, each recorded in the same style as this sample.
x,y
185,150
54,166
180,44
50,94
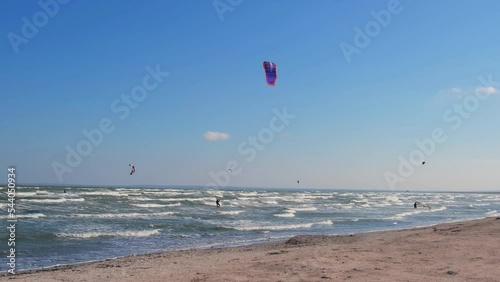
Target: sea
x,y
70,225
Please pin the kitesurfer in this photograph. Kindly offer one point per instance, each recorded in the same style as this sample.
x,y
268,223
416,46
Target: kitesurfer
x,y
415,205
217,202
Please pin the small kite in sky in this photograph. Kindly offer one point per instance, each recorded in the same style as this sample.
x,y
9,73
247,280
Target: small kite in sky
x,y
271,70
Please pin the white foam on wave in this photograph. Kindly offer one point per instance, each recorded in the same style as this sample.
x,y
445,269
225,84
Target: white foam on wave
x,y
186,199
341,206
141,199
492,198
168,193
246,198
96,234
303,209
416,211
380,205
290,214
298,198
104,193
248,194
272,202
149,205
121,215
52,200
134,194
271,197
308,196
281,227
230,212
25,194
492,213
31,215
393,200
248,202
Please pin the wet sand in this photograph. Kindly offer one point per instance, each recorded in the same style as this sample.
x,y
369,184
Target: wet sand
x,y
462,251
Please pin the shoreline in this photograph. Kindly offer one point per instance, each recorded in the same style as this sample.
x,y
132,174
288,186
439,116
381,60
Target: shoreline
x,y
214,264
47,268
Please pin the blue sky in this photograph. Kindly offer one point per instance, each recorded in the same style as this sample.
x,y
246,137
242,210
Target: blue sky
x,y
352,119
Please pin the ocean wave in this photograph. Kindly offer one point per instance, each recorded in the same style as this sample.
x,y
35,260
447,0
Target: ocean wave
x,y
341,206
303,209
104,193
246,194
52,200
297,199
492,213
139,199
18,216
393,200
272,202
25,194
156,205
121,215
281,227
401,216
359,201
149,205
230,212
290,214
96,234
186,199
169,193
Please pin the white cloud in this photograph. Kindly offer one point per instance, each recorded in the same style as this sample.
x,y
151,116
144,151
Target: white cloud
x,y
215,136
487,90
455,91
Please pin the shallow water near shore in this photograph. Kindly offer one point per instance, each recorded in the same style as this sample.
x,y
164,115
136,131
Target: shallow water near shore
x,y
93,223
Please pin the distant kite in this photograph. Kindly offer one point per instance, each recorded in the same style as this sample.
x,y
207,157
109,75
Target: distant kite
x,y
133,169
298,182
423,163
271,70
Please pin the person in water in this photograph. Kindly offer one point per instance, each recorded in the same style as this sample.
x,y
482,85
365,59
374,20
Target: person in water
x,y
415,205
217,202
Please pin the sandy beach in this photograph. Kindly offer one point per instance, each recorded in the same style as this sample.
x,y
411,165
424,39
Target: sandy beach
x,y
461,251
